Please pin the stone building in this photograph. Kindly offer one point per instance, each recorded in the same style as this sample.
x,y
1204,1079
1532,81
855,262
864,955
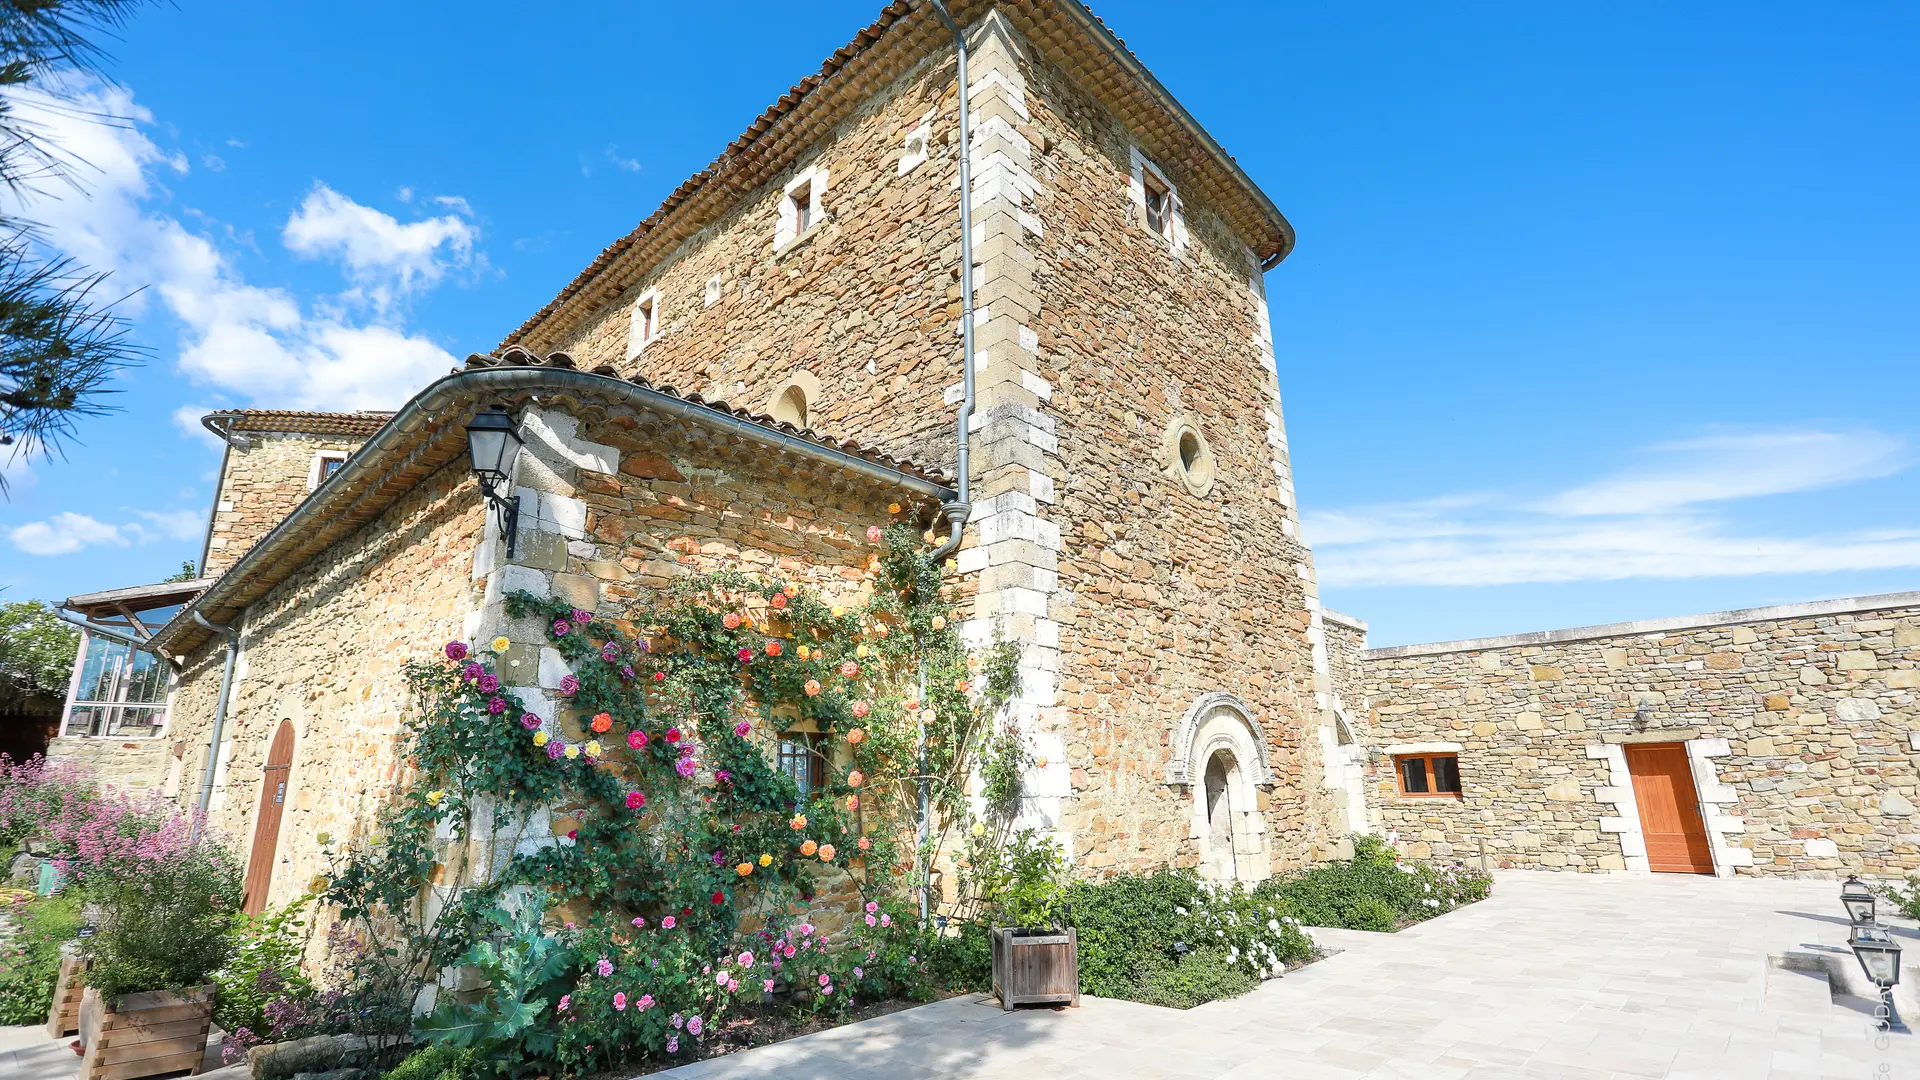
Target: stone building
x,y
1778,740
1133,525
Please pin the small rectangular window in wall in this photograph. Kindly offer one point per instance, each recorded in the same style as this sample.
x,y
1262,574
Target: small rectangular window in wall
x,y
325,464
643,323
1428,776
1159,206
803,757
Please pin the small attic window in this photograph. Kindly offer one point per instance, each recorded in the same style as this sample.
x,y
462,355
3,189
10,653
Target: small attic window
x,y
800,208
325,464
644,324
800,205
1189,449
1159,206
714,286
914,151
791,407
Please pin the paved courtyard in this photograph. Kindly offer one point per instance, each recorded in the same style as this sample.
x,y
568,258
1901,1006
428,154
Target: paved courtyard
x,y
1558,976
1565,976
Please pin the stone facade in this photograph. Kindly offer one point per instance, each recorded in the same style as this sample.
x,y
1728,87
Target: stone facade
x,y
1132,592
1801,723
273,460
324,650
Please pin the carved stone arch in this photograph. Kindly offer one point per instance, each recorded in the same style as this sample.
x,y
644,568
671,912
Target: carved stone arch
x,y
1185,766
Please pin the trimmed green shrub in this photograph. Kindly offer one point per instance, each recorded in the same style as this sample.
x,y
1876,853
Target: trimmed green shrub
x,y
437,1062
1374,890
961,962
1200,976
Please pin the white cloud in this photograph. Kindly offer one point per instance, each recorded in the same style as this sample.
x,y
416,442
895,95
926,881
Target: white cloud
x,y
384,258
64,534
1738,466
170,525
187,419
1667,521
257,343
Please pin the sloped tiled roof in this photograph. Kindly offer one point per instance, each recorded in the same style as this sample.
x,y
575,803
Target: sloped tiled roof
x,y
519,357
904,34
428,434
365,422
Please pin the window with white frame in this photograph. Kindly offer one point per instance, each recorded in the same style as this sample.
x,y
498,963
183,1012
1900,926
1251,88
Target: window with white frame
x,y
644,324
801,207
1156,203
325,464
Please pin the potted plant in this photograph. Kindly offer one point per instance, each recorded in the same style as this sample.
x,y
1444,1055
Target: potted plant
x,y
166,905
1036,960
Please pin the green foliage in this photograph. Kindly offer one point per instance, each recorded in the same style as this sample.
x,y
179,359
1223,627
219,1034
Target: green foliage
x,y
526,971
165,921
1137,930
30,958
436,1062
58,344
263,968
961,961
1374,890
1906,898
36,651
1019,882
658,772
1196,978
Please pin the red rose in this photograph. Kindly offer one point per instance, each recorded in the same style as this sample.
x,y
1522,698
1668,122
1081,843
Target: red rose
x,y
673,734
659,676
719,897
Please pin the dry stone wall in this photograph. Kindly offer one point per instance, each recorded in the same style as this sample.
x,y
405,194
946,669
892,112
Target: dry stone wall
x,y
260,484
325,650
1802,726
1172,584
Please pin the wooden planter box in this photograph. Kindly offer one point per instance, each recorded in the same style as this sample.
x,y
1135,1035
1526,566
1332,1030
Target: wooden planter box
x,y
144,1034
1034,967
64,1018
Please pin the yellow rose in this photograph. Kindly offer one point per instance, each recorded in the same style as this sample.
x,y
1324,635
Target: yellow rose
x,y
540,738
939,622
766,860
573,751
979,828
593,748
861,651
803,652
501,644
434,797
838,611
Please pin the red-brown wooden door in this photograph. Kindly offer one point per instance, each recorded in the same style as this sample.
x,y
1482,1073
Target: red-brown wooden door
x,y
1669,809
266,834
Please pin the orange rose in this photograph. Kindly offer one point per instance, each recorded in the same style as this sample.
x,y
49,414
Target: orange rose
x,y
812,687
865,843
853,803
856,736
743,869
809,848
826,853
779,600
773,648
602,722
856,777
731,620
960,685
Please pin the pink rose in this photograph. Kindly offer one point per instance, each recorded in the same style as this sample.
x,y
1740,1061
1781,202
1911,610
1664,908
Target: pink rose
x,y
456,650
666,923
873,534
569,684
824,979
620,1002
742,729
767,986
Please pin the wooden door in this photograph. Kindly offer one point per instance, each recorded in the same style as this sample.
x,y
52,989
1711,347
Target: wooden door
x,y
1669,809
266,834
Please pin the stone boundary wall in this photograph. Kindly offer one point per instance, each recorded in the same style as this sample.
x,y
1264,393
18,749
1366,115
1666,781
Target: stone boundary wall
x,y
1801,722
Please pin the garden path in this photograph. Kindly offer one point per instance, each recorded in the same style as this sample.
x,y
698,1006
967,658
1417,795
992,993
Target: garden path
x,y
1562,976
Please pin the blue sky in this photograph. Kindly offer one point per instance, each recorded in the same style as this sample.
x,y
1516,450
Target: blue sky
x,y
1598,312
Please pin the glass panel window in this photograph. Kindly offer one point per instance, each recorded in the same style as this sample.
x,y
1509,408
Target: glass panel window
x,y
122,691
1413,776
1429,776
801,758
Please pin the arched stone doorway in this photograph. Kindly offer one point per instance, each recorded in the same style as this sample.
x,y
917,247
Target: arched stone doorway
x,y
1220,756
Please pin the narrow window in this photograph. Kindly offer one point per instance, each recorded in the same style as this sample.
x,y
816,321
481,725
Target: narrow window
x,y
325,464
1429,776
329,466
803,757
801,199
643,315
1159,205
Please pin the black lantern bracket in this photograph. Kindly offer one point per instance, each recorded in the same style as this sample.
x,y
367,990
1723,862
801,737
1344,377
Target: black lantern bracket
x,y
493,442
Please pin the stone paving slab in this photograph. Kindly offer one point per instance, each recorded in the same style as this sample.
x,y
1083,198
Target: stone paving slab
x,y
1557,977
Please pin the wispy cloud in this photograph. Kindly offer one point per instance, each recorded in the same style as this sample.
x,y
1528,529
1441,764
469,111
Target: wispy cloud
x,y
66,533
385,258
1667,518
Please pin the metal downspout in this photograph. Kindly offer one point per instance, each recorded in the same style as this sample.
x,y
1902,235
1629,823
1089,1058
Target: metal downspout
x,y
219,721
957,511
